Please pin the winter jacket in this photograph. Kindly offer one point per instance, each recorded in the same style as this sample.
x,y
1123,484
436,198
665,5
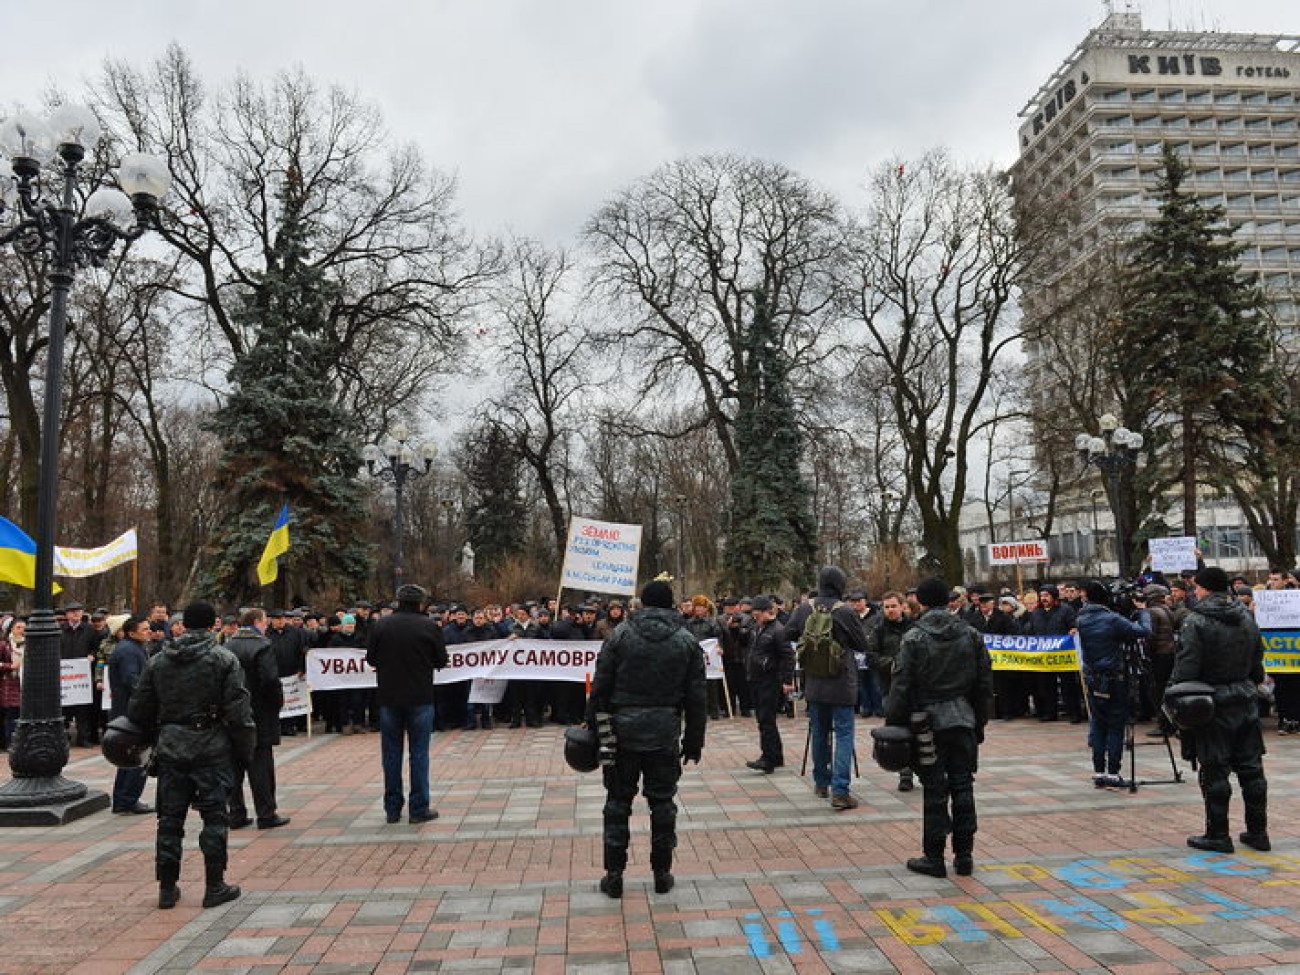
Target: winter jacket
x,y
192,696
650,675
771,657
884,641
848,633
125,665
1219,643
405,648
262,678
1161,642
943,667
11,694
289,644
1103,635
996,623
1041,621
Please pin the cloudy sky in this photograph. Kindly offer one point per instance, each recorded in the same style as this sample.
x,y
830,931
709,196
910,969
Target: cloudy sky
x,y
543,108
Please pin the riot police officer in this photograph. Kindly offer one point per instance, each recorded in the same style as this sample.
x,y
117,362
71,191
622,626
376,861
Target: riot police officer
x,y
192,698
649,676
1219,645
942,686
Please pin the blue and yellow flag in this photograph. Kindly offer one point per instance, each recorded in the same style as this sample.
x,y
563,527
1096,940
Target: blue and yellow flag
x,y
17,556
268,569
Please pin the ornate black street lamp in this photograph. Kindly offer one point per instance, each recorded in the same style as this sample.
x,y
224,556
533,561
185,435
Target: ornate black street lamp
x,y
395,461
49,209
1114,451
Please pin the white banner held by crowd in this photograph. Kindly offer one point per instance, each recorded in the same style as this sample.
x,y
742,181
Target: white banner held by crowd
x,y
77,563
1172,554
74,682
1277,609
601,556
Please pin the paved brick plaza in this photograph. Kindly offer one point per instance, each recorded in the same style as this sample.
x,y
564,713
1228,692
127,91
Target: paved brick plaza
x,y
1068,879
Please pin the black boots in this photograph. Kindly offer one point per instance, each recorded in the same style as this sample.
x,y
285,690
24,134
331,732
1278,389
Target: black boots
x,y
930,866
611,885
663,881
1213,844
218,891
1256,841
168,892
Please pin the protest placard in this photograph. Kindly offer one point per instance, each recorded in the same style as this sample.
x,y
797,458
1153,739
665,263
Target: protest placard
x,y
297,701
1013,553
601,556
1277,609
713,669
1174,554
485,691
74,682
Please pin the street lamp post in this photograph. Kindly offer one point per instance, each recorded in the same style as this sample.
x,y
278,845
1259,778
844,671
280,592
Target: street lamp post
x,y
46,211
395,461
1111,453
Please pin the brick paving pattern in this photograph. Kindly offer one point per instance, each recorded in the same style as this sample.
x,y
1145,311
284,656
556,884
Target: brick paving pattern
x,y
770,879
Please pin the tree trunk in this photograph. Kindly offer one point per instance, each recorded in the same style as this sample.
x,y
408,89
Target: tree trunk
x,y
1189,472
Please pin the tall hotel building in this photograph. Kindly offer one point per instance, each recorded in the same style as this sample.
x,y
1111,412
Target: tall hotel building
x,y
1229,105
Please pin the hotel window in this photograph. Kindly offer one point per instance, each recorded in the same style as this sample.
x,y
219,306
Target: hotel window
x,y
1198,97
1226,98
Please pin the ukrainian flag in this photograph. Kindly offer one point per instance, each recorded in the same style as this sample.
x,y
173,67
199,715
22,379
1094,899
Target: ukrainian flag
x,y
268,569
17,556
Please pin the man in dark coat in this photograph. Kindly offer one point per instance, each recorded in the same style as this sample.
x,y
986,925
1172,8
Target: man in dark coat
x,y
884,642
261,676
1220,645
769,669
77,641
1052,617
405,648
943,674
125,666
192,698
831,699
1104,641
289,645
649,676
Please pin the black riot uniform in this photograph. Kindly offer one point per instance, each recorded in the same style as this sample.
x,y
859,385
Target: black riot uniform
x,y
943,674
1220,645
649,677
192,698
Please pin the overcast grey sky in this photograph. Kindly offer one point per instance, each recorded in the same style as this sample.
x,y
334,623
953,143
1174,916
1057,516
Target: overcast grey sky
x,y
543,108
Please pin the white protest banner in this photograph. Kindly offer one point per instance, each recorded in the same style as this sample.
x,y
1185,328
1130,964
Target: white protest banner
x,y
1172,554
487,691
75,682
601,556
1013,553
520,659
297,702
77,563
1277,609
712,659
338,667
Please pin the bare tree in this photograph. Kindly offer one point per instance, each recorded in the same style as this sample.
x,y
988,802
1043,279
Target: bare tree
x,y
936,262
539,357
684,252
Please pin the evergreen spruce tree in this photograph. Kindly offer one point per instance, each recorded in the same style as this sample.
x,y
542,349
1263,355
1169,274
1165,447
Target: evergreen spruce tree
x,y
772,538
1193,335
285,439
495,516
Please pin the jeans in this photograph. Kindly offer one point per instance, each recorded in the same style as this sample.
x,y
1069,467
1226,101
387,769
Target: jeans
x,y
870,699
128,787
1106,725
395,726
822,720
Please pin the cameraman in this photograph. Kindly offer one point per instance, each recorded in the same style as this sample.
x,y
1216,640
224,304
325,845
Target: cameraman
x,y
1103,634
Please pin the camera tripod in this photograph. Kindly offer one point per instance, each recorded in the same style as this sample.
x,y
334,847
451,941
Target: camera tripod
x,y
1136,671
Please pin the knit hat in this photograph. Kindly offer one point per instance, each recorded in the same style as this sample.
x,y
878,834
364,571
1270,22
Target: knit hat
x,y
658,594
347,619
1212,578
761,604
199,616
1050,589
933,592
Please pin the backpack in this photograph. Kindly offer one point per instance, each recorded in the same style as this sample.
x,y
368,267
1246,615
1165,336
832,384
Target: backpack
x,y
820,654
